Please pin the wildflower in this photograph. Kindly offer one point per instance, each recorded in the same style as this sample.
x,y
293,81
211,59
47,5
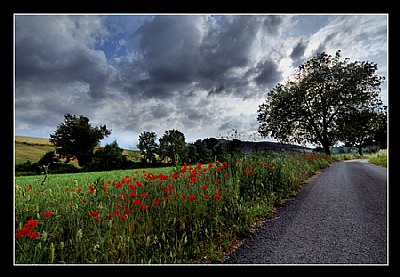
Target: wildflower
x,y
157,200
48,214
31,224
123,216
34,235
192,197
136,201
174,176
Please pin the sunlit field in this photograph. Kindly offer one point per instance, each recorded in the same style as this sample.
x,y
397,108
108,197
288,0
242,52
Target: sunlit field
x,y
191,214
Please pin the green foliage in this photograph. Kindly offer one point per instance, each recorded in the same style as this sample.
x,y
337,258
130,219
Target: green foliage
x,y
156,216
172,143
75,137
322,92
109,157
363,127
379,158
48,158
148,146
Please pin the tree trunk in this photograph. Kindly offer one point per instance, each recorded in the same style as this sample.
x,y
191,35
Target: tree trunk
x,y
360,150
327,149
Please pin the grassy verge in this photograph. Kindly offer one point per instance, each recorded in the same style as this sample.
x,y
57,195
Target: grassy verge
x,y
379,158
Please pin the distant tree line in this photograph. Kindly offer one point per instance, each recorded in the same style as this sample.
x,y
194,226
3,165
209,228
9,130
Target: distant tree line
x,y
76,138
173,148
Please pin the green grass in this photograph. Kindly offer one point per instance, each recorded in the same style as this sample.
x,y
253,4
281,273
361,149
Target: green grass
x,y
193,214
379,158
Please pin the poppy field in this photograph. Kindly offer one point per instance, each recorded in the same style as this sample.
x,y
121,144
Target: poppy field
x,y
192,214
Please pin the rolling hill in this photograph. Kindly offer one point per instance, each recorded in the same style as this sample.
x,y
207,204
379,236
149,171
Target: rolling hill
x,y
32,149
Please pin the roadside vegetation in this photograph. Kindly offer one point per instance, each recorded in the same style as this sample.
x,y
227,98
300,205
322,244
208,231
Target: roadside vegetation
x,y
378,158
187,214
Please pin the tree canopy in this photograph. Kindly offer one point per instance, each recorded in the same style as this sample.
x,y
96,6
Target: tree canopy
x,y
323,90
172,144
75,137
148,146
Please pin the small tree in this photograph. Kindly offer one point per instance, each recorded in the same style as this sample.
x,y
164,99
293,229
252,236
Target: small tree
x,y
109,157
48,158
324,89
75,137
148,146
173,144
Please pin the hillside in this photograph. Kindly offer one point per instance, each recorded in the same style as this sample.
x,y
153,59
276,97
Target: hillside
x,y
32,149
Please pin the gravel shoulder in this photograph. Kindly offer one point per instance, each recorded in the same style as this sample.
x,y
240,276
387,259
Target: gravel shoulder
x,y
339,217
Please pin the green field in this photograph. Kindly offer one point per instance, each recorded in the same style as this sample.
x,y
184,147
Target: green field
x,y
32,149
191,215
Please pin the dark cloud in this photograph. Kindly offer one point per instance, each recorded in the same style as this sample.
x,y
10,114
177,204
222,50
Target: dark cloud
x,y
173,52
43,54
268,73
298,50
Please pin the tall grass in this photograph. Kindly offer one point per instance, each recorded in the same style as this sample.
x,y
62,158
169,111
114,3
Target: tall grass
x,y
190,215
379,158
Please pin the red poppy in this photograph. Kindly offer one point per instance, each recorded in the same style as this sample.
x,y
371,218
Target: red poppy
x,y
136,201
174,175
48,214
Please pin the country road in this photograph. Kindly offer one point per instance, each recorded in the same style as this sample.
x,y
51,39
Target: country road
x,y
339,217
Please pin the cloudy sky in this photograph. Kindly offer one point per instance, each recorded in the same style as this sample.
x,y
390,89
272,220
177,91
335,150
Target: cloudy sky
x,y
202,74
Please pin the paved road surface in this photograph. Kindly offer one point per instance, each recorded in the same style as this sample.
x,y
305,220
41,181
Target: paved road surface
x,y
339,217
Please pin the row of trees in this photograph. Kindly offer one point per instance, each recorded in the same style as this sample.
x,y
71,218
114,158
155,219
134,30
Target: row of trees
x,y
76,138
173,148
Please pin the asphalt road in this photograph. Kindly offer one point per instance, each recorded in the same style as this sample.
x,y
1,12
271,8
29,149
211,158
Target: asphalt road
x,y
339,217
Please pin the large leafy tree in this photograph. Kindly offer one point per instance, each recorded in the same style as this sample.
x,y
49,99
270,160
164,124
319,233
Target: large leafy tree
x,y
148,146
307,107
75,137
172,145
